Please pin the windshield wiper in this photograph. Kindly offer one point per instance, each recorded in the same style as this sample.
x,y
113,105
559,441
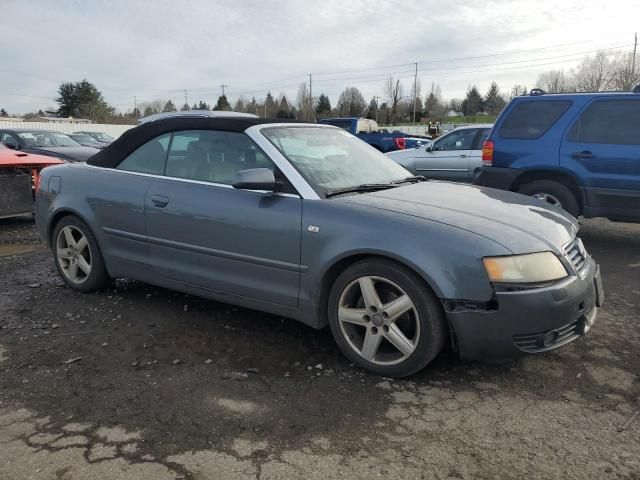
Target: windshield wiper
x,y
412,179
365,187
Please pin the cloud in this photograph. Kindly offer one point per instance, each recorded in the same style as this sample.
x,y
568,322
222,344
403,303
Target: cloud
x,y
156,49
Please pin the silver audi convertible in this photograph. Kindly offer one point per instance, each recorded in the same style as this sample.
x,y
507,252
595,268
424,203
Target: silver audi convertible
x,y
308,222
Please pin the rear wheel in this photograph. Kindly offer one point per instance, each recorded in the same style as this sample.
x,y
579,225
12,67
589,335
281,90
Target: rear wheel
x,y
554,193
77,256
385,319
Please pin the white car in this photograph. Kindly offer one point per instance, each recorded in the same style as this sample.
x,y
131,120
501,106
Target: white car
x,y
455,156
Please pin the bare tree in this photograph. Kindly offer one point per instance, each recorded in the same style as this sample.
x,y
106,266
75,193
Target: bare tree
x,y
594,74
154,106
518,90
303,103
393,91
623,76
351,102
240,105
555,81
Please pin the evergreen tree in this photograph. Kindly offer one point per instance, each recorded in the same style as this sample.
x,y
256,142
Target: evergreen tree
x,y
494,102
147,111
83,100
203,106
252,107
240,106
185,107
373,109
222,104
3,113
169,107
269,105
324,105
473,102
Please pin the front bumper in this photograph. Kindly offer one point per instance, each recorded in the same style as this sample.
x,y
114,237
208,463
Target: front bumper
x,y
530,321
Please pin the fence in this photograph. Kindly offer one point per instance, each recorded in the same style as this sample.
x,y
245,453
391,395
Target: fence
x,y
67,127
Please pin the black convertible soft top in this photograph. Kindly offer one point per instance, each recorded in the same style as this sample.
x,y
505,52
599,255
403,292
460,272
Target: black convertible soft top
x,y
130,140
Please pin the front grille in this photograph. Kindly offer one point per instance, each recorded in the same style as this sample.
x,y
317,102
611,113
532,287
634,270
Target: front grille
x,y
543,341
577,255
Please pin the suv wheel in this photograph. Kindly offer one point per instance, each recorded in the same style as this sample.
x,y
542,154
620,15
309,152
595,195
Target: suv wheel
x,y
385,319
554,193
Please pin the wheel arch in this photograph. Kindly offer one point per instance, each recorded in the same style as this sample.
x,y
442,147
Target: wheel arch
x,y
560,176
331,273
58,216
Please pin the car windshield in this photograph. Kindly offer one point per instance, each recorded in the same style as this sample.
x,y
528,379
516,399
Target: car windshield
x,y
103,137
85,139
332,159
37,138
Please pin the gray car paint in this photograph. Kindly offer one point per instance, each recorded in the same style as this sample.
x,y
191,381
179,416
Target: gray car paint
x,y
255,249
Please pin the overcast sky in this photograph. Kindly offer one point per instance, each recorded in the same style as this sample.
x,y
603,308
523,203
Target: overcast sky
x,y
157,48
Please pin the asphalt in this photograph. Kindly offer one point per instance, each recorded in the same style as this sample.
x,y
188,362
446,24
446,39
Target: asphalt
x,y
140,382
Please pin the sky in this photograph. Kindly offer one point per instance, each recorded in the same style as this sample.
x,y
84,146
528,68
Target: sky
x,y
156,49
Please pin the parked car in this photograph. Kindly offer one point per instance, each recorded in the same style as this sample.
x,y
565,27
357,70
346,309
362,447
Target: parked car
x,y
577,151
87,140
100,137
455,156
369,131
19,177
308,222
45,142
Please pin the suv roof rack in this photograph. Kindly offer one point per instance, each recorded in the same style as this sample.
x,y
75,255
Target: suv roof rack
x,y
537,91
636,89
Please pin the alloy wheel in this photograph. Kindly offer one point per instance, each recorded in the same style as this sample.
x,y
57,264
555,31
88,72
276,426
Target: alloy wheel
x,y
547,197
73,254
378,320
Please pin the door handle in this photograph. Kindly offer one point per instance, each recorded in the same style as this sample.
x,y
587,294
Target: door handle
x,y
160,201
583,154
463,156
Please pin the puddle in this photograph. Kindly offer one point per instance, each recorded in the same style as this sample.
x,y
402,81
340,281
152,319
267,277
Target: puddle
x,y
7,250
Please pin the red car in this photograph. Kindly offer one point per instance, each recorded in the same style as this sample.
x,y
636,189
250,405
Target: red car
x,y
19,176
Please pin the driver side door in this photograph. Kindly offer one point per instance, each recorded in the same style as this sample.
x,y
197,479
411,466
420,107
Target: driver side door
x,y
449,156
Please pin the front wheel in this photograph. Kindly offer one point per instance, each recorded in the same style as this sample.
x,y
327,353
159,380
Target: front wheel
x,y
553,193
77,256
385,318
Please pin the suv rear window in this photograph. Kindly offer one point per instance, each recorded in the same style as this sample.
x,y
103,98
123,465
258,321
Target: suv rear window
x,y
532,119
616,122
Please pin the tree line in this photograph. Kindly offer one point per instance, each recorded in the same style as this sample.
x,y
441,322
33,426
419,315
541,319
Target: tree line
x,y
604,71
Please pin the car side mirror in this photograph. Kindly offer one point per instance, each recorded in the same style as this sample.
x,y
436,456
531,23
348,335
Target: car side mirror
x,y
430,147
256,179
12,146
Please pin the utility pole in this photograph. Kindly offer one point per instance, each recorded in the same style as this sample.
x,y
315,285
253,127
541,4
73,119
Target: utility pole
x,y
223,87
415,93
311,112
377,99
186,98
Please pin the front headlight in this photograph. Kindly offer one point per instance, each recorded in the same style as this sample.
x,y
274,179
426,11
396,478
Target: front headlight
x,y
529,268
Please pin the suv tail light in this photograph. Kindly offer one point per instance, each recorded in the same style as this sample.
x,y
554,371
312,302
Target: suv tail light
x,y
400,142
487,153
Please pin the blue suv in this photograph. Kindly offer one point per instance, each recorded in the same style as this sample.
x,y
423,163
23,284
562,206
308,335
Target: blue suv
x,y
578,151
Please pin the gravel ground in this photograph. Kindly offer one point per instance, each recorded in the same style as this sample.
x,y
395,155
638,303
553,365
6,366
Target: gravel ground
x,y
139,382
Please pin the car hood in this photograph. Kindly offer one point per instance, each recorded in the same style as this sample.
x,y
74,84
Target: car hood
x,y
519,223
78,154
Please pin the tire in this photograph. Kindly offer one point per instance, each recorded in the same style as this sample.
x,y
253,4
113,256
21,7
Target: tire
x,y
76,253
554,193
367,331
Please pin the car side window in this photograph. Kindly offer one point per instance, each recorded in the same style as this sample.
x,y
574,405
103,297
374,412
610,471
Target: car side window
x,y
149,158
213,156
482,136
457,140
614,122
529,120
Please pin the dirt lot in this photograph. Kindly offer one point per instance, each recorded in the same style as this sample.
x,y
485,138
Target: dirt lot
x,y
143,383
